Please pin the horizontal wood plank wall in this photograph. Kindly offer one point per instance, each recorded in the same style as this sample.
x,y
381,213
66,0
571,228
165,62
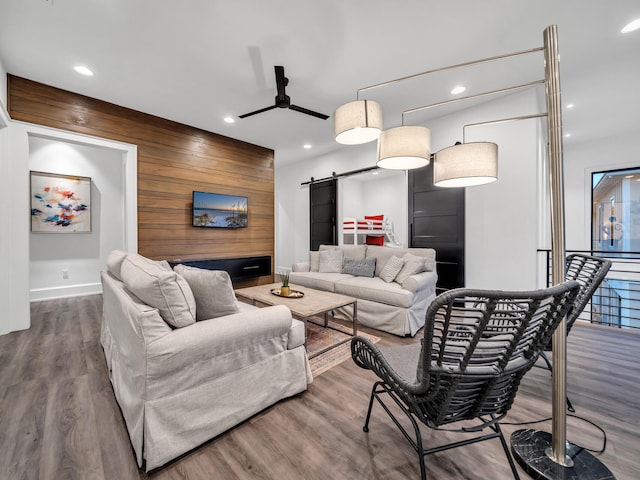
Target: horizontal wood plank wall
x,y
173,160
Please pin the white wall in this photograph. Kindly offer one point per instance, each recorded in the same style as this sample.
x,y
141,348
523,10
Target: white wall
x,y
82,255
3,84
6,319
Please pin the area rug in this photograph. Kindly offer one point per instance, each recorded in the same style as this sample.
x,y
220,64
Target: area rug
x,y
319,337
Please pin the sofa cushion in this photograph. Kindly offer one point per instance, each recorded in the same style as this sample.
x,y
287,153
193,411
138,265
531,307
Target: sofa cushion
x,y
353,252
314,261
412,264
376,290
319,281
362,268
159,288
212,290
330,261
391,269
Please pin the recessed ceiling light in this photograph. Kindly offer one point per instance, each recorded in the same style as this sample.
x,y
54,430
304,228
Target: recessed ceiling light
x,y
567,135
570,105
307,146
631,26
457,90
82,70
229,120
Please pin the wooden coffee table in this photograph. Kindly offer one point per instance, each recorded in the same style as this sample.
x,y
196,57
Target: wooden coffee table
x,y
314,302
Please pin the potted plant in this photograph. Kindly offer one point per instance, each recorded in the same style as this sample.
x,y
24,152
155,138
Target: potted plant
x,y
285,291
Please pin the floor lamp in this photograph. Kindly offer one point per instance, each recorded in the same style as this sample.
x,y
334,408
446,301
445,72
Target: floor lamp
x,y
542,455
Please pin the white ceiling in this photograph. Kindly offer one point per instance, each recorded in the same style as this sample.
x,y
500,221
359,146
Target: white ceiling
x,y
198,61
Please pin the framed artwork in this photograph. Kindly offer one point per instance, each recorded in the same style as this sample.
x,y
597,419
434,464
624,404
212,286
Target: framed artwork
x,y
60,203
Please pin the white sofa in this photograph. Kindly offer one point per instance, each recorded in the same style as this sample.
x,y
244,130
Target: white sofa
x,y
178,387
391,306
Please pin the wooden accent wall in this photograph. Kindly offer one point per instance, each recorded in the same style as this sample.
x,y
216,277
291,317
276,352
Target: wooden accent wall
x,y
173,160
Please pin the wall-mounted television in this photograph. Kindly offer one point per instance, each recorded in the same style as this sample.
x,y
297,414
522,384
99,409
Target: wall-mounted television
x,y
216,210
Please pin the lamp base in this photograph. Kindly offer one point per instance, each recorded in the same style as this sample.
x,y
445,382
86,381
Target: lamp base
x,y
529,448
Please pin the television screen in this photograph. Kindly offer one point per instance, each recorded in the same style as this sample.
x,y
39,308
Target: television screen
x,y
219,211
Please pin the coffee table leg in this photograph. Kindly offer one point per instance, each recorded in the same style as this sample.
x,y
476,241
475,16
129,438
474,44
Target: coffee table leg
x,y
355,318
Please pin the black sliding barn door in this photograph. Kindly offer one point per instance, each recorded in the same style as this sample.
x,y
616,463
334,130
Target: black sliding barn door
x,y
323,213
436,220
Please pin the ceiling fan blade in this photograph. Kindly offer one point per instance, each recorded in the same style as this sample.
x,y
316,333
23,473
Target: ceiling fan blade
x,y
281,81
257,111
308,112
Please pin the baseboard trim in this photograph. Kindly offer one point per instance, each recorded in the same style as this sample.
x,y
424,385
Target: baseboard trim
x,y
51,293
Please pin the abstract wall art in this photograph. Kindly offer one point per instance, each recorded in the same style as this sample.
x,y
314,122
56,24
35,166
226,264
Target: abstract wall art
x,y
60,203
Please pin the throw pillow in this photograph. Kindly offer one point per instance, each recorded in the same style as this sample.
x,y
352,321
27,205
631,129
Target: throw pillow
x,y
361,268
212,290
374,240
392,269
330,261
165,290
314,261
412,265
114,262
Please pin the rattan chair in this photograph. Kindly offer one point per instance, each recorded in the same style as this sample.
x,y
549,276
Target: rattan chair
x,y
589,272
477,346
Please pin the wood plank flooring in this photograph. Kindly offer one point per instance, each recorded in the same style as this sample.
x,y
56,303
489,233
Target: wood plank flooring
x,y
60,420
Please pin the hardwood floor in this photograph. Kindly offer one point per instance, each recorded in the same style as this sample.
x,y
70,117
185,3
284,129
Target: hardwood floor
x,y
60,420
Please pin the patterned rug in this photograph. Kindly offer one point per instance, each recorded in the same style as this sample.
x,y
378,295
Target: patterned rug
x,y
319,337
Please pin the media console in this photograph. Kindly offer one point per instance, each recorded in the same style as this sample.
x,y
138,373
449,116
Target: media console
x,y
243,268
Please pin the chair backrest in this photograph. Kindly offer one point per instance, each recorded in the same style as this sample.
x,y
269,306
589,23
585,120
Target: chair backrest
x,y
589,272
477,346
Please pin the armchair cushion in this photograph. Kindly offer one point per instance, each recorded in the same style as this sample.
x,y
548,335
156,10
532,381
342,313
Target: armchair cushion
x,y
212,290
162,289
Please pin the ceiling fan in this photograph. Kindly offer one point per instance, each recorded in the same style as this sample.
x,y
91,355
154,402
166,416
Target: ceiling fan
x,y
283,100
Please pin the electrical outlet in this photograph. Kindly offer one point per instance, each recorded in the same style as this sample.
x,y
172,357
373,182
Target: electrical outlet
x,y
65,274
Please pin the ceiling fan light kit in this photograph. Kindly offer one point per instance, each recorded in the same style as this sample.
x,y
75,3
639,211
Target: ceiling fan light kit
x,y
466,164
357,122
404,148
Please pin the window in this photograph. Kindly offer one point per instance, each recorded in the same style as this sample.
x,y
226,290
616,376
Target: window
x,y
615,222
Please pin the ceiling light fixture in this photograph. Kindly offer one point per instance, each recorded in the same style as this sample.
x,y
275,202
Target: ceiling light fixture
x,y
307,146
229,120
570,105
466,165
404,148
458,90
631,26
357,122
82,70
